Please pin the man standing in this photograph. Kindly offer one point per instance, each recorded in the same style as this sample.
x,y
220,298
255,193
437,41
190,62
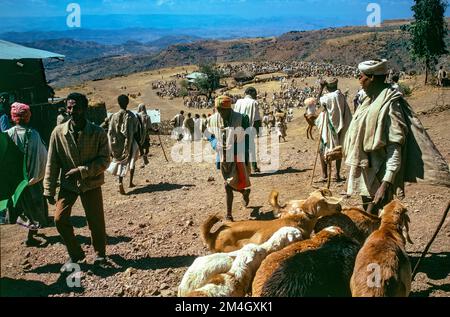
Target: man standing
x,y
227,136
145,125
79,152
123,136
441,75
188,127
250,107
333,123
4,119
386,145
177,123
31,204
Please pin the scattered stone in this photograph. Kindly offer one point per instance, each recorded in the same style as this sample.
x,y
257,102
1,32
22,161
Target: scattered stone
x,y
167,293
27,266
163,286
130,271
130,222
211,179
189,223
142,225
185,188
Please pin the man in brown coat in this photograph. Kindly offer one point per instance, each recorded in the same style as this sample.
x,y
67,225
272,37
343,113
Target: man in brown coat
x,y
79,152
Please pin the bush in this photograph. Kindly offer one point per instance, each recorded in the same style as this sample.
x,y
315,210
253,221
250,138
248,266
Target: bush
x,y
407,91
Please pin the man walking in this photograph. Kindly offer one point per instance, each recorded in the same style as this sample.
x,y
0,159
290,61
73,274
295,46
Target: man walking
x,y
177,123
227,136
79,152
123,136
250,107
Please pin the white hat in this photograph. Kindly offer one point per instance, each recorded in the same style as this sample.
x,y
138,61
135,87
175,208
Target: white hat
x,y
374,67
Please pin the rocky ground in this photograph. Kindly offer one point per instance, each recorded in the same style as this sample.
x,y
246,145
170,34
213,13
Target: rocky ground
x,y
153,231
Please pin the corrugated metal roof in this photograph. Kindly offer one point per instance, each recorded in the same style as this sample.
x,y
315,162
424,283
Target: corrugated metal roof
x,y
12,51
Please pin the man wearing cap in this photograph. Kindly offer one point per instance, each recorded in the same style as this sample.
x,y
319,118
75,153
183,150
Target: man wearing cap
x,y
386,145
79,152
227,134
333,123
250,107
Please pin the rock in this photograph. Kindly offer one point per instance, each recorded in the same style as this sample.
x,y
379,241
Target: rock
x,y
185,188
27,266
155,292
147,181
189,223
130,222
27,254
25,262
163,286
211,179
130,271
142,225
167,293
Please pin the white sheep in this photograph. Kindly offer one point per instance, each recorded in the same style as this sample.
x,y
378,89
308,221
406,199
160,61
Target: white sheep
x,y
231,274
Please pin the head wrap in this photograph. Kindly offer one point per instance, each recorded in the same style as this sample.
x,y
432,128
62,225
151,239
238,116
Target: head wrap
x,y
374,67
141,108
20,113
310,101
332,82
223,102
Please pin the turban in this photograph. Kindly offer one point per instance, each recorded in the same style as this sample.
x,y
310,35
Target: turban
x,y
310,101
20,113
141,108
332,81
374,67
223,102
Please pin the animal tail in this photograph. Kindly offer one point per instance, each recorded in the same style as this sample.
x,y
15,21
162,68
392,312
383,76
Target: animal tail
x,y
205,230
273,200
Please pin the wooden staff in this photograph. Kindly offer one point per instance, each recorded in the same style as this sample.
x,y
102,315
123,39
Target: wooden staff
x,y
318,146
431,241
162,147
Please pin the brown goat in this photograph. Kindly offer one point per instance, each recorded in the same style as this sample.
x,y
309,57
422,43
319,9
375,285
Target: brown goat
x,y
320,266
355,223
382,267
234,235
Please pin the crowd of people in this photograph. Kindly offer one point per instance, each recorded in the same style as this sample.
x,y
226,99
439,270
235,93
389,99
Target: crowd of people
x,y
372,143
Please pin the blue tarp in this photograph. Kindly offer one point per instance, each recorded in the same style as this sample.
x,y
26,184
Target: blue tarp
x,y
12,51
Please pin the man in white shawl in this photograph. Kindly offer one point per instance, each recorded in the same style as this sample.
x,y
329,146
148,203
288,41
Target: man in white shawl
x,y
386,145
250,107
123,137
333,123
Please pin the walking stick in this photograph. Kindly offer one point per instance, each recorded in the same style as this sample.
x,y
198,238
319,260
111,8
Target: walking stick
x,y
318,147
431,241
162,147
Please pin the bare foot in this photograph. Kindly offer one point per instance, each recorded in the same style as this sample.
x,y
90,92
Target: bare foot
x,y
121,190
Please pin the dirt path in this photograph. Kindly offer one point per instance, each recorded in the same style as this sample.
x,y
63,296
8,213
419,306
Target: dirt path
x,y
153,232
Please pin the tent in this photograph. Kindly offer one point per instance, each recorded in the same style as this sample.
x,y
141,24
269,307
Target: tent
x,y
22,77
193,77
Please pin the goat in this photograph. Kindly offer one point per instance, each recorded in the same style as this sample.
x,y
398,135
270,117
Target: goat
x,y
382,267
234,235
355,223
320,266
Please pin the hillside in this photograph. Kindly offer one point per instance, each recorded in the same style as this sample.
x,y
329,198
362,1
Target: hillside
x,y
346,45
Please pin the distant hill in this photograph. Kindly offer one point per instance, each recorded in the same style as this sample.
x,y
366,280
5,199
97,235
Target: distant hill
x,y
347,45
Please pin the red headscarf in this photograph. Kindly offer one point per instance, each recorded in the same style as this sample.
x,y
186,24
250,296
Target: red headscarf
x,y
20,113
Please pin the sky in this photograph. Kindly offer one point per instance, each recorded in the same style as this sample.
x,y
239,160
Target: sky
x,y
256,8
